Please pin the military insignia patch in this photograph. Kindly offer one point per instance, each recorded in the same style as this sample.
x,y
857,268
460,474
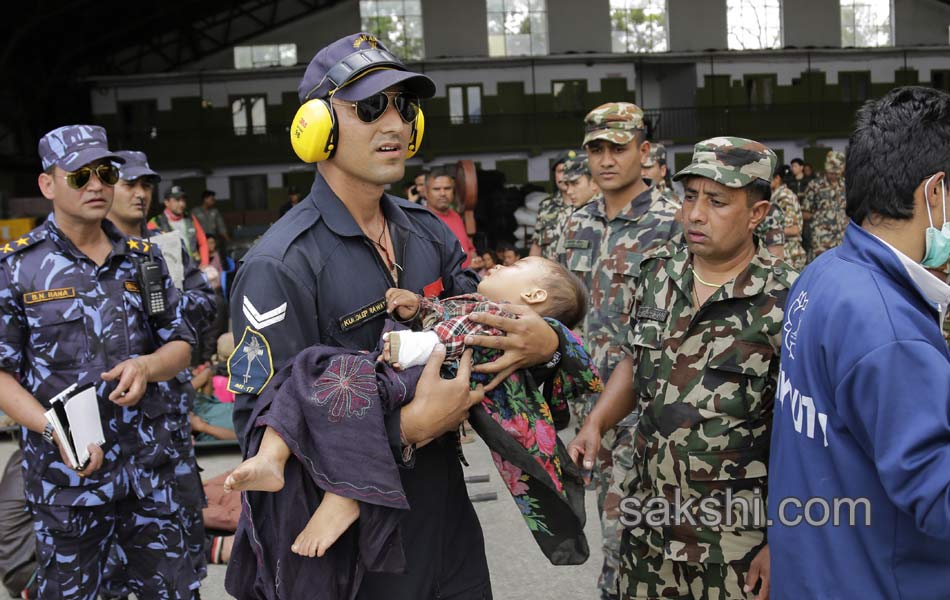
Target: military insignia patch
x,y
132,286
250,366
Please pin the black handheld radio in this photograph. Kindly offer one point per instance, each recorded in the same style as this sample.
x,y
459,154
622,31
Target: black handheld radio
x,y
151,285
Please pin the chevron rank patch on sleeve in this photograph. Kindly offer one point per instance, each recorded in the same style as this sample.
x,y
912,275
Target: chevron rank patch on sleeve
x,y
261,320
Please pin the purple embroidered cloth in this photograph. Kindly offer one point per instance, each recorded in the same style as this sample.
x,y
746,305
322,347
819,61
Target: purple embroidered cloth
x,y
328,406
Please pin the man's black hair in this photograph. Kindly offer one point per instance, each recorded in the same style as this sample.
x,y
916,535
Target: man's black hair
x,y
898,142
207,193
798,161
759,189
783,171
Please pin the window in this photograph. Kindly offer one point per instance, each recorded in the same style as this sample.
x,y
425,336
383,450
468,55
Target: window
x,y
940,79
760,90
754,24
138,118
397,24
269,55
248,192
855,86
570,96
638,25
517,27
249,115
465,104
866,23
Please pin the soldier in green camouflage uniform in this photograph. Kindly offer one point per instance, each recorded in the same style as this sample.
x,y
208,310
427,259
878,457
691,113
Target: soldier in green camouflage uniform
x,y
823,207
772,231
603,244
579,184
703,357
656,170
553,212
785,199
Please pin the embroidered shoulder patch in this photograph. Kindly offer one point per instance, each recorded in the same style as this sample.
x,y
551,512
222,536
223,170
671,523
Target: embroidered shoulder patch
x,y
250,366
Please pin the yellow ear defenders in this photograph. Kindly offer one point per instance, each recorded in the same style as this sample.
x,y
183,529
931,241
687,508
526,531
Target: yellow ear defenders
x,y
314,132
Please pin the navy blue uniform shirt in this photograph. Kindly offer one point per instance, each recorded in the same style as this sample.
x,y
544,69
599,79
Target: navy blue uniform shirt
x,y
315,278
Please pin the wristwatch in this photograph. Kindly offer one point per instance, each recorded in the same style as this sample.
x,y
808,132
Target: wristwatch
x,y
48,432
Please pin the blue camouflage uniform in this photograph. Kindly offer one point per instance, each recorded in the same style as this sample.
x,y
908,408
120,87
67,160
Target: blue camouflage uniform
x,y
197,306
63,320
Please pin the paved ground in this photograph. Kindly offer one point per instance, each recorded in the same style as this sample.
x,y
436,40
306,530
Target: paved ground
x,y
519,571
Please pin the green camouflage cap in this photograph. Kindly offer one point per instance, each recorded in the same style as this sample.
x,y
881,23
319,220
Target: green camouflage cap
x,y
616,122
576,167
562,157
732,161
834,162
657,154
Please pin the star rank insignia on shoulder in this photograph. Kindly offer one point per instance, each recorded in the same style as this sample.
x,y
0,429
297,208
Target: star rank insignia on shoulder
x,y
138,245
13,246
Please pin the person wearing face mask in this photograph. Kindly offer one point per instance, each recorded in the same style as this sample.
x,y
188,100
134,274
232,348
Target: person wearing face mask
x,y
862,413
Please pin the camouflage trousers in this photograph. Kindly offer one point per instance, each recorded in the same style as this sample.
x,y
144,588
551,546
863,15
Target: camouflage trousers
x,y
75,543
647,574
615,461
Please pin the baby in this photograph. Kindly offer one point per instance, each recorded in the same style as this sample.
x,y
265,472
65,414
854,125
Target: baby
x,y
541,284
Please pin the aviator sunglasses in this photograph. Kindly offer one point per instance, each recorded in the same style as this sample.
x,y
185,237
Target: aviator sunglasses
x,y
107,173
372,108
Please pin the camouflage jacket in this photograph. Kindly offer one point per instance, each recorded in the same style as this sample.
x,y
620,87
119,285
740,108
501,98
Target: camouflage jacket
x,y
65,320
606,256
705,382
785,199
553,213
826,202
772,228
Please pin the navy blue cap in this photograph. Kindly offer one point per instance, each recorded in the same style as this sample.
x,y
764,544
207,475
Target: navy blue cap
x,y
135,166
74,146
357,67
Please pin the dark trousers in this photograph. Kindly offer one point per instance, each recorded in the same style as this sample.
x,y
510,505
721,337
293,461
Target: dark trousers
x,y
17,540
442,538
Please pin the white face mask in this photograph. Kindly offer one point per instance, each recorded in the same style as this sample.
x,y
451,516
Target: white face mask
x,y
937,245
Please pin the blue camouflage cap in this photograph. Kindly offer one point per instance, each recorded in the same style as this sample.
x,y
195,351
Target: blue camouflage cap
x,y
135,166
357,67
73,146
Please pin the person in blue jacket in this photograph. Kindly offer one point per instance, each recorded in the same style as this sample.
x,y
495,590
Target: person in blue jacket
x,y
859,473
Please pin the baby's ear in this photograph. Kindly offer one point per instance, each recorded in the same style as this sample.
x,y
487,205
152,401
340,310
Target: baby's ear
x,y
534,296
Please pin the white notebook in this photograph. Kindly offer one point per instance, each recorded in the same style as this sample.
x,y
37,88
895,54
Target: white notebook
x,y
75,417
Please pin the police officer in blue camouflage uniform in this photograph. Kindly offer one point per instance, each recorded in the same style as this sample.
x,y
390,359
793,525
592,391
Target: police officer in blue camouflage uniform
x,y
132,199
319,276
71,311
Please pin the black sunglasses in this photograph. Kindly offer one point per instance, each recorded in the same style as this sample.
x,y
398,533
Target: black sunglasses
x,y
107,173
372,108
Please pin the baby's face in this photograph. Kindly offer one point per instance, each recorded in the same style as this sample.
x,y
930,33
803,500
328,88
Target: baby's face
x,y
506,284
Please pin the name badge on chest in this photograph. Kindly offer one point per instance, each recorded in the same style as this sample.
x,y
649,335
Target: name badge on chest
x,y
361,315
48,295
577,244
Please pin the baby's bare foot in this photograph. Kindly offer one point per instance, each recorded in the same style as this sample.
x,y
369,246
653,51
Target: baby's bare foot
x,y
256,473
331,519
